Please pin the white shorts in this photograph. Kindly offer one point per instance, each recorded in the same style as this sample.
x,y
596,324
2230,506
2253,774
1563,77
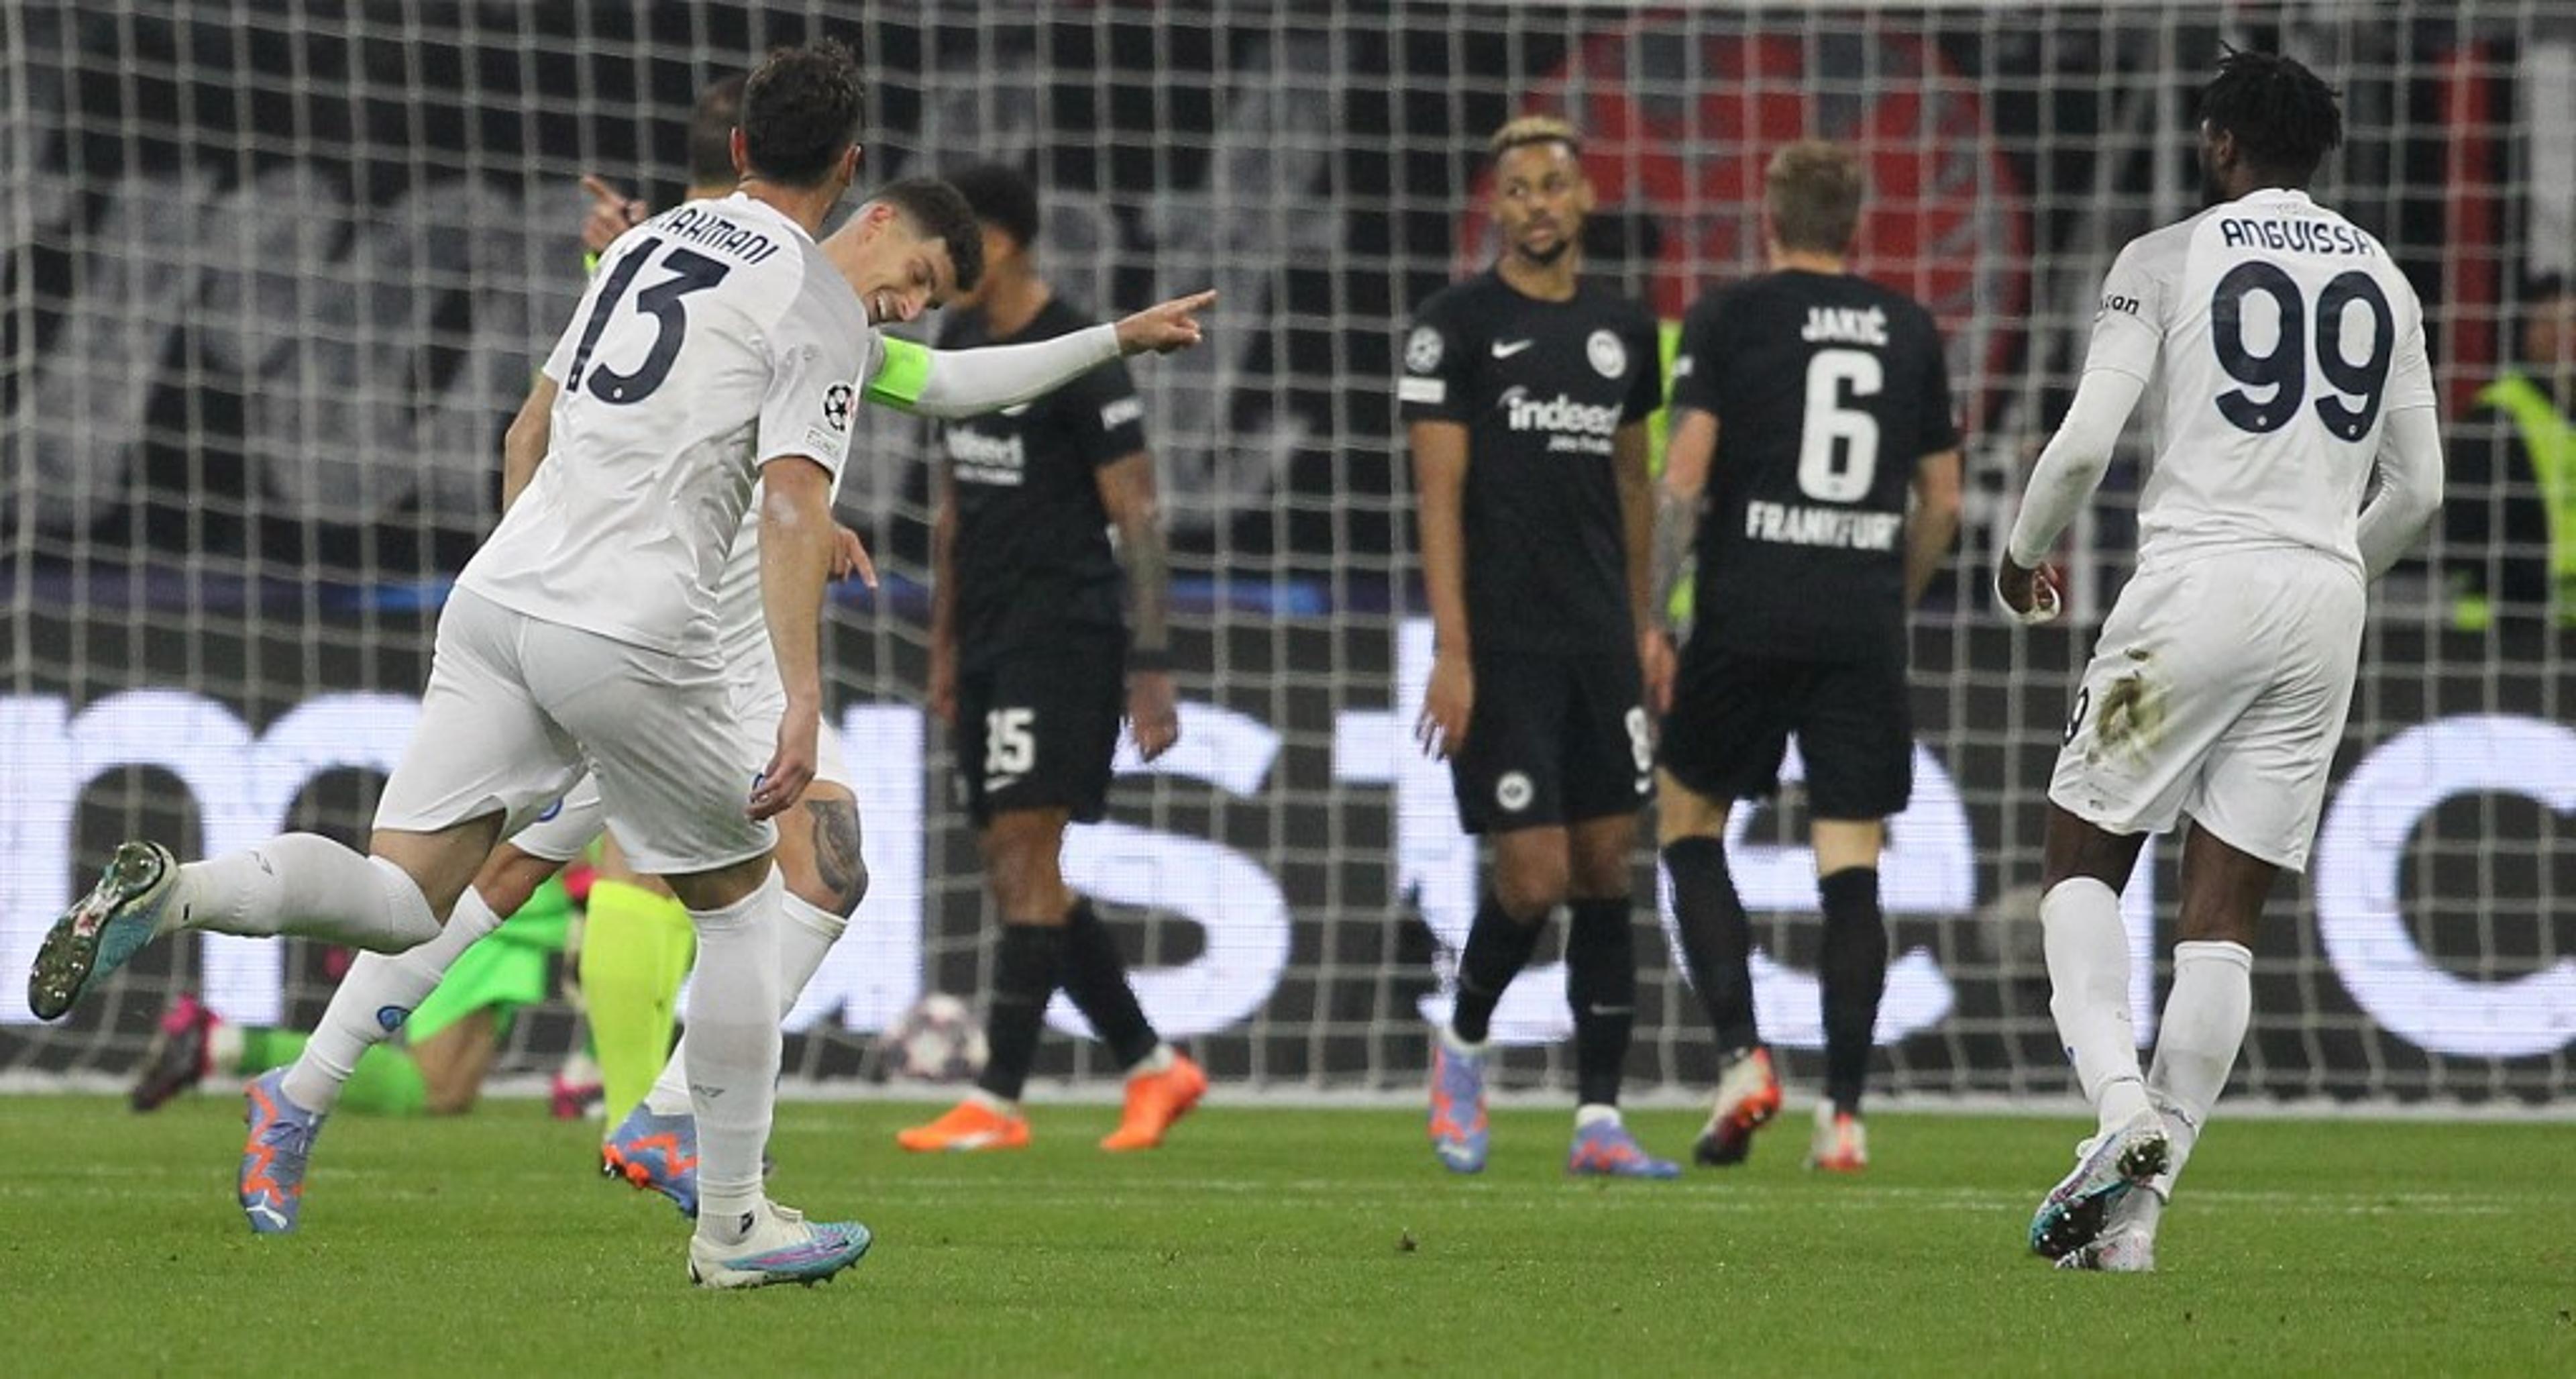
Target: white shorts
x,y
2218,691
517,705
566,831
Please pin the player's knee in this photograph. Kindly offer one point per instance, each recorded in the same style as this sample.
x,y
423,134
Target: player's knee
x,y
1022,864
1529,887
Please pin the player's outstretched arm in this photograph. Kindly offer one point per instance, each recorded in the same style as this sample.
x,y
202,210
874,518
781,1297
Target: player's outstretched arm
x,y
797,541
2408,492
1933,524
950,384
2062,482
1440,488
523,446
1127,493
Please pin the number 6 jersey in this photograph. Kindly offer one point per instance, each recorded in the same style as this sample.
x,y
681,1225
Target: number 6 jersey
x,y
2281,336
714,338
1828,389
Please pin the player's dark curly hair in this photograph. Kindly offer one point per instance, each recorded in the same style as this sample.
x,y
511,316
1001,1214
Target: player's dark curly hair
x,y
939,211
800,112
711,133
1002,198
2283,117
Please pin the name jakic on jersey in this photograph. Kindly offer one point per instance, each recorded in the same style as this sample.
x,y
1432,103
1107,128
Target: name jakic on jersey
x,y
1001,461
1579,427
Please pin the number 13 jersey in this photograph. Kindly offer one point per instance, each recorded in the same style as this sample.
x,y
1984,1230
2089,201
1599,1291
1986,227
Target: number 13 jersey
x,y
2281,336
714,338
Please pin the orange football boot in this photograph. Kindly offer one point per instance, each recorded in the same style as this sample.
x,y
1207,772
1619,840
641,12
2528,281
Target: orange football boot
x,y
1154,1101
970,1125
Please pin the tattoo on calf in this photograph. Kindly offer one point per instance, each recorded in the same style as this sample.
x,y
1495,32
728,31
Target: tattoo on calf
x,y
836,851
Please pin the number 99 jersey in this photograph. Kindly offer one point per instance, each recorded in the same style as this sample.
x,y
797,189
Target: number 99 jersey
x,y
2282,335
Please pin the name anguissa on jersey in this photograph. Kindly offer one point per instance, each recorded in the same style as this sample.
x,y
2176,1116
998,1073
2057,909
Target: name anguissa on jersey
x,y
2299,235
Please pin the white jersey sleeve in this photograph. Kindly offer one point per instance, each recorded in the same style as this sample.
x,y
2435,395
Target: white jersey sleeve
x,y
2287,334
2129,323
817,366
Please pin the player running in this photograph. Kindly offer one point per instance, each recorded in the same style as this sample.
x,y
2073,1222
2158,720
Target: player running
x,y
715,349
1525,395
1030,665
2289,354
1809,406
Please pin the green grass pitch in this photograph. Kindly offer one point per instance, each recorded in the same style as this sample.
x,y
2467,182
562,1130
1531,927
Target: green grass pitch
x,y
1281,1241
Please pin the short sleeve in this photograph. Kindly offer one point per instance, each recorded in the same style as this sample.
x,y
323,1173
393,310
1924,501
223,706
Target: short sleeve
x,y
1696,366
815,370
1103,415
2128,323
1435,383
1646,378
1938,410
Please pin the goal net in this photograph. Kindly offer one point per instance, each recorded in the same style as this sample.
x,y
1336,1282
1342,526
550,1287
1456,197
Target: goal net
x,y
274,275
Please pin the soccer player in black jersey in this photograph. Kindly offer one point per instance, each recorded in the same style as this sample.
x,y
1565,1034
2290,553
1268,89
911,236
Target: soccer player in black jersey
x,y
1809,404
1525,394
1032,663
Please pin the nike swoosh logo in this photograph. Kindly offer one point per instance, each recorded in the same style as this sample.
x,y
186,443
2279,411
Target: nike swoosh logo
x,y
1505,349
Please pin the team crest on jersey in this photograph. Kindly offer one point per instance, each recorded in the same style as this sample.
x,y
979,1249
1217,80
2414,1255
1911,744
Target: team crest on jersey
x,y
1513,791
1608,356
1422,349
837,402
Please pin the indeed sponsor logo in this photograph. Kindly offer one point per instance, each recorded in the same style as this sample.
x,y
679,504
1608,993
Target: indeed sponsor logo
x,y
1560,414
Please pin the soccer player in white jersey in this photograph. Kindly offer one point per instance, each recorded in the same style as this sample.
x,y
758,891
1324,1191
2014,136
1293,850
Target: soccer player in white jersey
x,y
2290,355
914,242
715,348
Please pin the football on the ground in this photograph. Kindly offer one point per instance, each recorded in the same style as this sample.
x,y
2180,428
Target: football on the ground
x,y
937,1040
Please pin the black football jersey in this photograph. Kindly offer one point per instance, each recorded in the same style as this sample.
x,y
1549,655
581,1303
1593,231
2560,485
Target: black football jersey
x,y
1541,388
1827,389
1032,560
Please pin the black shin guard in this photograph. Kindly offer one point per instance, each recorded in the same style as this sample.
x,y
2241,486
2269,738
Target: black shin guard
x,y
1717,939
1498,947
1854,976
1024,980
1095,977
1601,985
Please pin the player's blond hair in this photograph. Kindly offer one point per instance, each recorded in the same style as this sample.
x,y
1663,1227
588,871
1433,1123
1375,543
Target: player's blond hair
x,y
1534,129
1813,191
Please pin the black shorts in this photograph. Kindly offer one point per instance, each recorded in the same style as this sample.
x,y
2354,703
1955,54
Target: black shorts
x,y
1553,739
1037,729
1733,712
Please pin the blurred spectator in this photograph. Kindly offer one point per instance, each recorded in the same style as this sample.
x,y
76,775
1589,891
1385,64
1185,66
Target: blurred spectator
x,y
2510,516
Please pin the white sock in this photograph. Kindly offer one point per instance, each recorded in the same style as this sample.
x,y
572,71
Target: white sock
x,y
1157,1060
733,1063
2204,1026
1449,1037
2088,982
305,885
380,988
1594,1113
803,941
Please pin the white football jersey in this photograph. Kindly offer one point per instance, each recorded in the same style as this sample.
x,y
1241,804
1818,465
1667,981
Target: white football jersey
x,y
2280,337
713,339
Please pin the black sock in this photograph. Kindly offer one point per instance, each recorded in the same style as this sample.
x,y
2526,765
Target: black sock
x,y
1717,940
1024,980
1498,947
1601,985
1854,976
1095,976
